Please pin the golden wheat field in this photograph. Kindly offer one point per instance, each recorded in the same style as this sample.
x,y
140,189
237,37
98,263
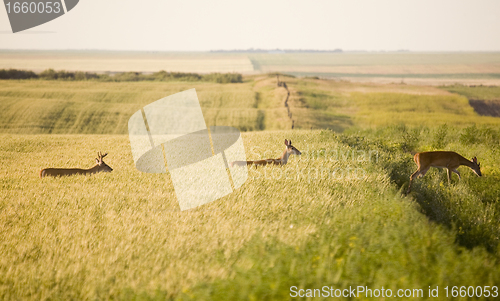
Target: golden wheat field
x,y
122,234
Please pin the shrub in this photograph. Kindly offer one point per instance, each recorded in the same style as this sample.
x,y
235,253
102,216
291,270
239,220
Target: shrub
x,y
223,78
486,135
468,135
17,74
440,136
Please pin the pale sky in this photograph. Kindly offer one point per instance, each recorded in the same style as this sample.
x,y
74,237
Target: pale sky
x,y
201,25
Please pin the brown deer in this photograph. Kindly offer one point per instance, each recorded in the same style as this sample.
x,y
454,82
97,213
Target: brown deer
x,y
99,167
449,160
290,150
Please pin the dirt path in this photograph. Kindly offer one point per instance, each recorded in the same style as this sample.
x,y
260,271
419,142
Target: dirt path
x,y
486,107
284,85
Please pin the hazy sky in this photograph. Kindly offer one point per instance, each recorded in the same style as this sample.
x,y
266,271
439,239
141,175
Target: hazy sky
x,y
417,25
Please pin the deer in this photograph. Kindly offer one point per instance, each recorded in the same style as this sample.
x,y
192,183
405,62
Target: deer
x,y
99,167
283,160
443,159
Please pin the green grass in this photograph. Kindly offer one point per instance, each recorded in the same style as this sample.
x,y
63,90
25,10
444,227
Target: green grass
x,y
476,92
84,107
326,218
382,109
90,107
472,205
318,107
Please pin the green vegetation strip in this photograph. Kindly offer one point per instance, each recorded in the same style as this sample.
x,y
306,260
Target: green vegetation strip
x,y
475,92
51,74
401,75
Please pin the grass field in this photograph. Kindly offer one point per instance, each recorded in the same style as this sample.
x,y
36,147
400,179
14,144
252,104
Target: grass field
x,y
92,107
382,64
42,107
324,219
335,216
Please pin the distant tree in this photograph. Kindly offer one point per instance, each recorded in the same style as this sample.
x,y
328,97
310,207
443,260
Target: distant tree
x,y
17,74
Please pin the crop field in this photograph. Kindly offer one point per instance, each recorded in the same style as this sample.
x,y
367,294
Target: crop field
x,y
92,107
336,216
115,61
379,63
55,107
417,68
424,68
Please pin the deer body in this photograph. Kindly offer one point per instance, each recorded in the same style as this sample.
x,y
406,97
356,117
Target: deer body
x,y
290,150
99,167
444,159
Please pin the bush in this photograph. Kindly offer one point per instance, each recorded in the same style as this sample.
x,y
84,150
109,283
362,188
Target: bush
x,y
17,74
223,78
128,77
468,135
472,135
86,75
439,141
50,74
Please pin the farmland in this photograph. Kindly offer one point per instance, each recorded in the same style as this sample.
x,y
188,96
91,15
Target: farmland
x,y
113,61
335,216
427,68
92,107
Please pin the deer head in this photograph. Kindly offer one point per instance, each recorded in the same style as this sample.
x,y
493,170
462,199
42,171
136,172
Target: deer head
x,y
290,149
476,166
103,167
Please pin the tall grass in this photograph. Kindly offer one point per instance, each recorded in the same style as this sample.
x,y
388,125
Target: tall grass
x,y
472,205
332,216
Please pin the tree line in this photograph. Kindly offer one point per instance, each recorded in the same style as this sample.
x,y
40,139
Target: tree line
x,y
51,74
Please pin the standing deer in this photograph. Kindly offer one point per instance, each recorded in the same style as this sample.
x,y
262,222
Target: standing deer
x,y
449,160
99,167
290,150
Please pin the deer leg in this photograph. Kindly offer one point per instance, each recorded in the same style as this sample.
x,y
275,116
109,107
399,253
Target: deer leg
x,y
415,174
449,175
412,177
418,174
423,172
458,174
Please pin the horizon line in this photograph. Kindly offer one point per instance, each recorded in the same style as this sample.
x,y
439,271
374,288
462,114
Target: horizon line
x,y
257,50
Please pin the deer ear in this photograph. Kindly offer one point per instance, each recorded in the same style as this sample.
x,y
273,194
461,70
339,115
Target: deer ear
x,y
97,160
286,142
474,160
